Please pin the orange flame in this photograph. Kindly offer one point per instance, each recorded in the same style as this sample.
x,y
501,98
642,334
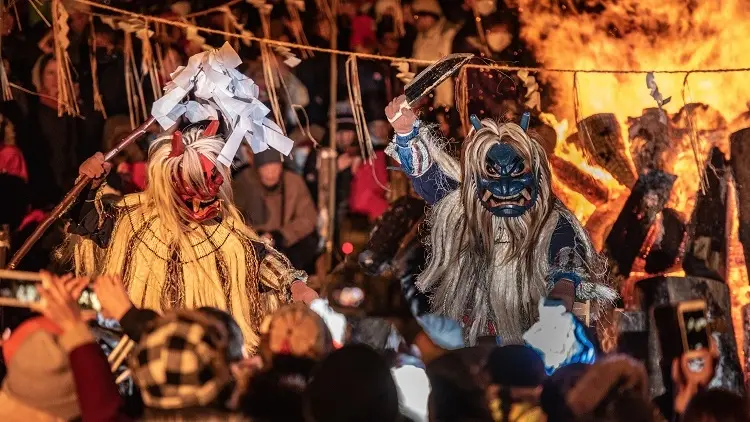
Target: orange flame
x,y
646,35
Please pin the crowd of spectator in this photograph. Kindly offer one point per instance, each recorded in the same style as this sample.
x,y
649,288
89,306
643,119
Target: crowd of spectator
x,y
313,364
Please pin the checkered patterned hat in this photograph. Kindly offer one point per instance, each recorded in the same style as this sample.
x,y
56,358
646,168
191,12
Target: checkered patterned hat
x,y
180,362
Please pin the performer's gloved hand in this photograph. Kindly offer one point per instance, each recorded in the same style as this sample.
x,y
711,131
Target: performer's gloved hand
x,y
96,168
404,124
559,338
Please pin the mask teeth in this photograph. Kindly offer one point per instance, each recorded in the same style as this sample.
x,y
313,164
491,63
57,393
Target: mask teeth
x,y
487,195
196,204
525,193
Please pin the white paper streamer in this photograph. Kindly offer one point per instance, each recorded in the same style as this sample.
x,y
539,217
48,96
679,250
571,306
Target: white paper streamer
x,y
219,88
553,334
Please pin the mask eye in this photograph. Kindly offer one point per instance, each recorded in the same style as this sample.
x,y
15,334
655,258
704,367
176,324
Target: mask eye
x,y
519,169
491,170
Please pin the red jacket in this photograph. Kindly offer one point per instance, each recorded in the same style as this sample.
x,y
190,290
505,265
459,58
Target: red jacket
x,y
98,396
367,195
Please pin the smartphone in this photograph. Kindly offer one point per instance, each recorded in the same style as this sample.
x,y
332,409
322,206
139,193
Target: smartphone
x,y
23,293
694,328
682,328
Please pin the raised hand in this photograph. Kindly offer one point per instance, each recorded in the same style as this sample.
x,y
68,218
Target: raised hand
x,y
95,167
112,296
57,302
405,122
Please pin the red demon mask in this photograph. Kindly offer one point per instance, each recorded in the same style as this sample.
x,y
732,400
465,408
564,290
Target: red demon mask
x,y
200,204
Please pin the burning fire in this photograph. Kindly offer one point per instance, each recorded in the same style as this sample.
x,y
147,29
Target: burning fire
x,y
668,35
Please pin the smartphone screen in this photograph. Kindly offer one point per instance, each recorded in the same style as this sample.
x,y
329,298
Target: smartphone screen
x,y
27,292
695,324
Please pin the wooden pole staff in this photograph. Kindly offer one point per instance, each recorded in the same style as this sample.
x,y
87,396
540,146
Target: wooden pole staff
x,y
71,196
328,197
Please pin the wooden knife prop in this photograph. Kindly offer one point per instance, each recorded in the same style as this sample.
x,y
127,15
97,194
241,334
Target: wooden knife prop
x,y
218,87
430,78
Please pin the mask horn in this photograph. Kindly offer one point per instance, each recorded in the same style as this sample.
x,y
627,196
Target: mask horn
x,y
475,122
525,119
178,148
212,129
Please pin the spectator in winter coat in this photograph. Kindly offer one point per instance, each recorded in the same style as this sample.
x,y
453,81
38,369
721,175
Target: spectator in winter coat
x,y
434,39
277,204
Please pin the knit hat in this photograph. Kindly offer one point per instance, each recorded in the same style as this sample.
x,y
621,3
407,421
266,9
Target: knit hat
x,y
344,116
427,6
39,373
296,330
266,157
181,362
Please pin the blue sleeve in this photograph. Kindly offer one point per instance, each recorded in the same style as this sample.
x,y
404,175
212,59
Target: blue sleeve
x,y
433,185
566,253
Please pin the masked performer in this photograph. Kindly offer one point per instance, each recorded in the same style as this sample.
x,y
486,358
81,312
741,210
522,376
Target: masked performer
x,y
182,243
500,241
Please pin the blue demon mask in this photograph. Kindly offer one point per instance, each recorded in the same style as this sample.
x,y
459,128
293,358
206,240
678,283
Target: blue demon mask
x,y
510,188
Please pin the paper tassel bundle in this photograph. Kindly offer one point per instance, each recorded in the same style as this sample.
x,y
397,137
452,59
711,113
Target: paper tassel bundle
x,y
218,87
66,96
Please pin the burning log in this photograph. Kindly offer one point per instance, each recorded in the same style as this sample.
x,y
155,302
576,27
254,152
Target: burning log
x,y
601,136
600,222
650,141
587,185
706,252
740,144
646,201
666,249
660,291
632,226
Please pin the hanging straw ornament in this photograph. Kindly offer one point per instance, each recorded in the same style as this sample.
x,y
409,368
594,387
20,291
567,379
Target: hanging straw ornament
x,y
148,59
4,85
98,100
267,60
294,7
232,24
533,97
358,111
66,95
133,81
193,37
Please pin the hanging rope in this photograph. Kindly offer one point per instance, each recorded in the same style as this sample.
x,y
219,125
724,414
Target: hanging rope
x,y
693,135
358,111
266,60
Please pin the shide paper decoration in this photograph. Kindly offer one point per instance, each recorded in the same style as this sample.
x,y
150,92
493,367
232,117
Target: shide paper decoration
x,y
219,88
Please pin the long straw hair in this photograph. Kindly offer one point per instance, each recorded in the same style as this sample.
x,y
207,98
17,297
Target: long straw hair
x,y
164,170
481,265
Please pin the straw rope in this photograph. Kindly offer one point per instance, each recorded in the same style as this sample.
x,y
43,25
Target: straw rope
x,y
402,59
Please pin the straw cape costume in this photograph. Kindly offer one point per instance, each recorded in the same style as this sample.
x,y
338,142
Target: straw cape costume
x,y
500,242
182,243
